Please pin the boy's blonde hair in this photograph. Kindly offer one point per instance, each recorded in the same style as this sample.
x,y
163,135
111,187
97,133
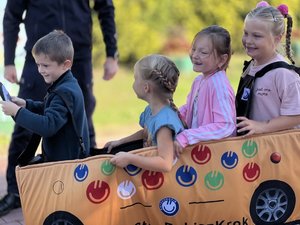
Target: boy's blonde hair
x,y
275,19
56,45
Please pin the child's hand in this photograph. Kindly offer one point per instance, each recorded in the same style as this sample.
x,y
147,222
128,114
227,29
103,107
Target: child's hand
x,y
178,149
18,101
110,145
121,159
254,127
9,108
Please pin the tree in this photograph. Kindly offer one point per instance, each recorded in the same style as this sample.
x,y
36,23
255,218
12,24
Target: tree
x,y
146,26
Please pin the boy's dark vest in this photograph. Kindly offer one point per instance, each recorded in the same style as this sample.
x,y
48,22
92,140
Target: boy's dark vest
x,y
245,89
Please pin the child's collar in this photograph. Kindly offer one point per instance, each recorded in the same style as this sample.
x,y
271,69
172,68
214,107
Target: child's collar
x,y
58,80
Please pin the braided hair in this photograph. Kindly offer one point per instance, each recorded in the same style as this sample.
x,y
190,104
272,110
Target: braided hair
x,y
164,74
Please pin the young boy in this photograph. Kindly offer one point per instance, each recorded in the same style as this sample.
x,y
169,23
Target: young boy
x,y
52,119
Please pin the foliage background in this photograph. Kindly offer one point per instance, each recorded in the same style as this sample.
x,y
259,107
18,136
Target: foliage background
x,y
146,26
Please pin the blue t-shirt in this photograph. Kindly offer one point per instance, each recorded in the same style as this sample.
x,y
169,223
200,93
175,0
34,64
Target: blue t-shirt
x,y
166,117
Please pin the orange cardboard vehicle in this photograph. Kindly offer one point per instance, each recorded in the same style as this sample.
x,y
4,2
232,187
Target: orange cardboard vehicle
x,y
233,181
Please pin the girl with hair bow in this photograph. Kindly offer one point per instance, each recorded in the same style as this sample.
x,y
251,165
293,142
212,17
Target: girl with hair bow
x,y
275,101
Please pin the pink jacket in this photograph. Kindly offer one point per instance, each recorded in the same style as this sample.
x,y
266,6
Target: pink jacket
x,y
216,116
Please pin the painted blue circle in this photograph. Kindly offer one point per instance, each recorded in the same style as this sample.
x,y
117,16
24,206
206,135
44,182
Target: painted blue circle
x,y
81,172
169,206
132,170
229,160
186,175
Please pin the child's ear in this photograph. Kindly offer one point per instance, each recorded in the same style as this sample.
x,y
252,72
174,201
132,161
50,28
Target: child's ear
x,y
278,38
67,64
146,87
223,59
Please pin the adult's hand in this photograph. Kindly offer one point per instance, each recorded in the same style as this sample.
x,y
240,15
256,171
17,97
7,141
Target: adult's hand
x,y
110,68
10,73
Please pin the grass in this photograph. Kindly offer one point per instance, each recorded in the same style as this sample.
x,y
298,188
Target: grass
x,y
118,109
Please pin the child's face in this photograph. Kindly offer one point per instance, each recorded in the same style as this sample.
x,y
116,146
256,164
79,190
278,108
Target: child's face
x,y
50,70
203,56
139,84
258,41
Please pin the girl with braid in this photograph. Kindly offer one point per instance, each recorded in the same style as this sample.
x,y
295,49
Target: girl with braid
x,y
156,79
210,108
275,103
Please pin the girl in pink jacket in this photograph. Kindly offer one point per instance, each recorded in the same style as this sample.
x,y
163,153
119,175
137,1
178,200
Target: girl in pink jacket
x,y
210,108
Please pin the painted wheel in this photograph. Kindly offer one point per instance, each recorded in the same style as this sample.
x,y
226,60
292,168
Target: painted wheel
x,y
62,218
272,203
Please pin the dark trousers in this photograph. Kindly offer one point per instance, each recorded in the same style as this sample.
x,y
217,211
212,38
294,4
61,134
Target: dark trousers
x,y
32,86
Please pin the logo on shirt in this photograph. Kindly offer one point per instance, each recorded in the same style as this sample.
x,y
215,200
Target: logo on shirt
x,y
246,94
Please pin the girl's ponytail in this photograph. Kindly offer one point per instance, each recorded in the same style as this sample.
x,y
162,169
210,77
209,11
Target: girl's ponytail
x,y
285,12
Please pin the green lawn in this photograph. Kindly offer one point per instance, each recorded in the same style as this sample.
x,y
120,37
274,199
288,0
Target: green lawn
x,y
118,108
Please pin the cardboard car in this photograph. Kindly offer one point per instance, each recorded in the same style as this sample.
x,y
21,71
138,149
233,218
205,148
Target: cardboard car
x,y
233,181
